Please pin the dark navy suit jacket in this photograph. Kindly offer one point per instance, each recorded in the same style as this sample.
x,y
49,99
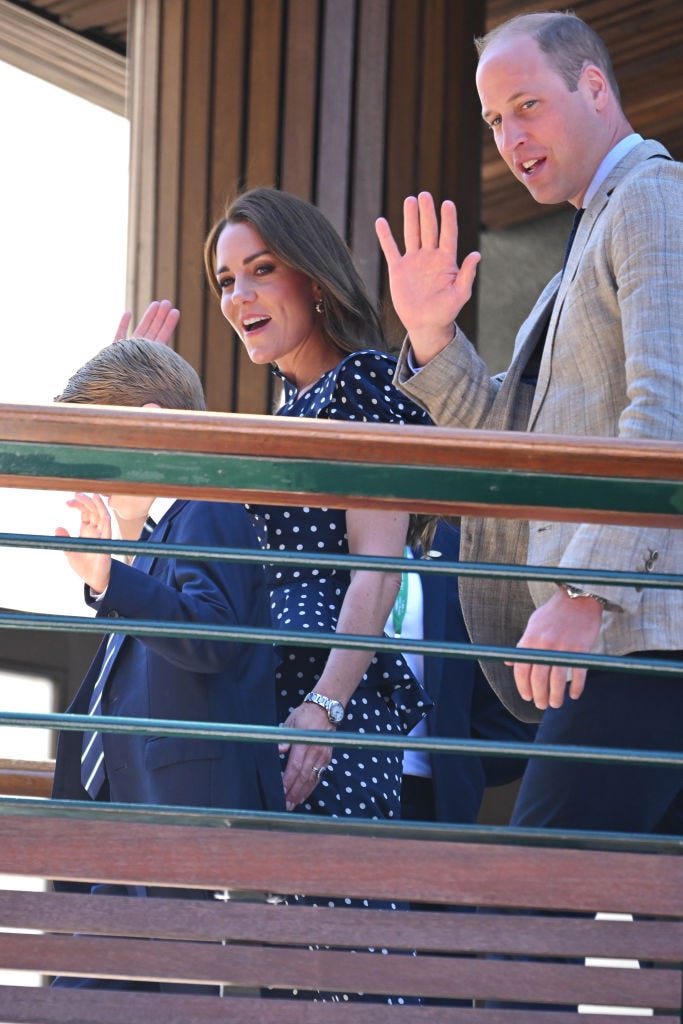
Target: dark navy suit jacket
x,y
465,706
186,679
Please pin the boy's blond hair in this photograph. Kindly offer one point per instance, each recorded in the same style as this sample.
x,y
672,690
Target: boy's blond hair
x,y
135,372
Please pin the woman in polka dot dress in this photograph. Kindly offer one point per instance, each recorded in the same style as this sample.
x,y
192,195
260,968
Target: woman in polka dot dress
x,y
288,287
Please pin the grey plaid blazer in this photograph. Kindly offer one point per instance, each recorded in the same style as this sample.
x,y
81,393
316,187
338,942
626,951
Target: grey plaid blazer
x,y
612,366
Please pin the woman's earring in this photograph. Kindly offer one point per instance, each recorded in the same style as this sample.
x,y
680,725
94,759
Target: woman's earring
x,y
319,306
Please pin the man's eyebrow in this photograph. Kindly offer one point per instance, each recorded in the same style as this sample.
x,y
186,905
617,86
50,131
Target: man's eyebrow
x,y
511,99
246,261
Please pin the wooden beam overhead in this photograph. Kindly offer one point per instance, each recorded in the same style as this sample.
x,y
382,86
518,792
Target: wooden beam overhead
x,y
64,58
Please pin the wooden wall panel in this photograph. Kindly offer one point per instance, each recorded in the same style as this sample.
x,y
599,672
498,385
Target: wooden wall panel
x,y
194,175
348,103
402,112
263,102
143,107
227,155
335,116
462,132
169,135
300,98
431,120
367,193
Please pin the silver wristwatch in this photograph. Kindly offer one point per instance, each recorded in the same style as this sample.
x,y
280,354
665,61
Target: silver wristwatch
x,y
334,708
572,591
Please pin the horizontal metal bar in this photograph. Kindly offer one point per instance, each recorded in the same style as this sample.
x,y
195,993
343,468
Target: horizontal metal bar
x,y
280,734
430,566
630,842
294,638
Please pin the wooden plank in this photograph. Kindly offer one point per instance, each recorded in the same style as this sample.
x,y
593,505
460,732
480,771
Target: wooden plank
x,y
367,186
265,63
427,931
300,98
26,778
309,969
168,136
171,430
145,54
51,52
335,112
434,124
261,160
462,129
193,175
400,175
73,1006
226,148
274,861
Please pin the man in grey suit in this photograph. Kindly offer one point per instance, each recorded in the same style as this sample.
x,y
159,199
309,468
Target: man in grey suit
x,y
599,355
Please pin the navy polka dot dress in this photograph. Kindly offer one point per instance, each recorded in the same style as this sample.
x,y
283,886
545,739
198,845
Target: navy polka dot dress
x,y
364,783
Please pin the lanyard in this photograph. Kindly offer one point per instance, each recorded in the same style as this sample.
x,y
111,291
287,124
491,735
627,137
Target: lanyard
x,y
398,612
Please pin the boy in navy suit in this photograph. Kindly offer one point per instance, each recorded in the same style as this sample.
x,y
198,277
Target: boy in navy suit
x,y
225,681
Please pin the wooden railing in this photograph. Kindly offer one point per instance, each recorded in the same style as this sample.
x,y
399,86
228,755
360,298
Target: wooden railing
x,y
344,465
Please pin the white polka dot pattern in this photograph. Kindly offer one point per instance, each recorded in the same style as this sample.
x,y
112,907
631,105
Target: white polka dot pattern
x,y
360,783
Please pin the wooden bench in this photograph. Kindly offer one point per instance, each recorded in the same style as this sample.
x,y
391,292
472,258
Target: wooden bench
x,y
246,944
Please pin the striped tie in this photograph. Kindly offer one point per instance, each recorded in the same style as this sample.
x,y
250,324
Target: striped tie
x,y
93,771
147,528
92,758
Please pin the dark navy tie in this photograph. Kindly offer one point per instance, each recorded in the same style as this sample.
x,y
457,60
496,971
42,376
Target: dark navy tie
x,y
572,234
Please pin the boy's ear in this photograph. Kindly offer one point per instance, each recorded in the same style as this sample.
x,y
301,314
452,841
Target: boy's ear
x,y
151,405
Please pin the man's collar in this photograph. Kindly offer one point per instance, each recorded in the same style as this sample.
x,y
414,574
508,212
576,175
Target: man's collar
x,y
160,507
609,162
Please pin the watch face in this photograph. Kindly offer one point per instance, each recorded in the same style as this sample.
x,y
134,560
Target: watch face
x,y
335,711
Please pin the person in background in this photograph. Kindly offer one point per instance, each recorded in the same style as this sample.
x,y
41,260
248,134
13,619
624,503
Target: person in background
x,y
447,787
160,677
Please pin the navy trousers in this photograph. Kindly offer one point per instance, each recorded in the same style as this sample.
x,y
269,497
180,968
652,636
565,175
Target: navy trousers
x,y
642,711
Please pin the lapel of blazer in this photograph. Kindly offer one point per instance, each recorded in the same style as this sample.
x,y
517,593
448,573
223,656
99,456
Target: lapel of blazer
x,y
158,535
643,151
143,563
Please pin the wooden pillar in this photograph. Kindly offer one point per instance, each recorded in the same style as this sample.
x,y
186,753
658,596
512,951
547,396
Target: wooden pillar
x,y
351,104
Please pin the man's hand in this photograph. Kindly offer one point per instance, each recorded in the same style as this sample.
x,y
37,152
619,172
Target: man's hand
x,y
561,624
299,779
428,289
94,567
158,323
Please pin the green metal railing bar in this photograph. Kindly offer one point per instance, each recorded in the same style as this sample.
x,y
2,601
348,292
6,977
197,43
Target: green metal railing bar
x,y
431,566
296,638
279,734
302,476
306,823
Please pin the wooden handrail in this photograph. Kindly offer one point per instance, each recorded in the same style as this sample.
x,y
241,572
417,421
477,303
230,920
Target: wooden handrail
x,y
488,472
337,441
26,778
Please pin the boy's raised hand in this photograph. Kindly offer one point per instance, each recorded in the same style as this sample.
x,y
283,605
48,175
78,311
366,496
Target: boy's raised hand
x,y
94,567
158,323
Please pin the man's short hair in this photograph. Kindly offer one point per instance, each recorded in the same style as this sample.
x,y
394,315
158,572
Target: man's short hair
x,y
567,41
135,372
